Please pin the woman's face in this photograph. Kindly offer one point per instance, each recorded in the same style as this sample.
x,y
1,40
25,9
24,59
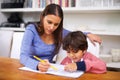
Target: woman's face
x,y
75,56
51,23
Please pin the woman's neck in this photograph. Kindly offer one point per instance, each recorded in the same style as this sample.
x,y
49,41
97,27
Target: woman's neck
x,y
48,39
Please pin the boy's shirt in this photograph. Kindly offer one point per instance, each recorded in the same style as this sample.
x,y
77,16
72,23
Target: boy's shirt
x,y
92,63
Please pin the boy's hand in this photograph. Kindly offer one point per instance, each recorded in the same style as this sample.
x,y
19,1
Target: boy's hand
x,y
71,67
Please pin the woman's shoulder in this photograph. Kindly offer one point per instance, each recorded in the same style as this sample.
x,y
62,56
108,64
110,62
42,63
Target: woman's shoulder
x,y
65,32
30,27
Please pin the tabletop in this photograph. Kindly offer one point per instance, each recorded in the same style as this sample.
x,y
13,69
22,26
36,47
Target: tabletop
x,y
9,71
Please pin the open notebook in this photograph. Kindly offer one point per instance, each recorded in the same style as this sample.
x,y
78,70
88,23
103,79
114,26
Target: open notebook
x,y
59,72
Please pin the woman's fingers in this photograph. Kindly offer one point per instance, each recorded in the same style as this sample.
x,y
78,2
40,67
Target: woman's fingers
x,y
43,66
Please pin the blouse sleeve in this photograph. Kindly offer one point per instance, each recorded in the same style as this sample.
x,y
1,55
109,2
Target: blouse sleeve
x,y
65,32
26,56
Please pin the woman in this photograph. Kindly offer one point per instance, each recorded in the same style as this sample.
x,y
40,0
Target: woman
x,y
44,38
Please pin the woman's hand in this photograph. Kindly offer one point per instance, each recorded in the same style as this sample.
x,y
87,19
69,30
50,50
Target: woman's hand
x,y
94,38
71,67
43,66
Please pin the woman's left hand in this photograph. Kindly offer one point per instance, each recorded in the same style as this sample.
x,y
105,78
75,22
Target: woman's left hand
x,y
94,38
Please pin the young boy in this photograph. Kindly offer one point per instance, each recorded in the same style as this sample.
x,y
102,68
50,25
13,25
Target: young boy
x,y
75,43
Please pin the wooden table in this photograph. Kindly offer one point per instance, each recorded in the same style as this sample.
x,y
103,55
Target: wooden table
x,y
9,71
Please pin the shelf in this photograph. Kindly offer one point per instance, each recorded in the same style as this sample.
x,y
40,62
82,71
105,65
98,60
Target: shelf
x,y
67,10
94,32
13,29
114,65
22,10
91,10
104,32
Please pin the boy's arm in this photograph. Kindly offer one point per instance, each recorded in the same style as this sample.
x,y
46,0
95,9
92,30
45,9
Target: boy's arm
x,y
94,64
66,60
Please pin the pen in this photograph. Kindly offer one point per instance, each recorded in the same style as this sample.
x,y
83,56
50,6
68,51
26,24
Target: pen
x,y
44,61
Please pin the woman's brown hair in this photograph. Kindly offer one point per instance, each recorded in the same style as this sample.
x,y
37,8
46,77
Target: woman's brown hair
x,y
53,9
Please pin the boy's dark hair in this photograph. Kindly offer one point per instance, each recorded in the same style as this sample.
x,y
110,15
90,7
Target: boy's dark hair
x,y
75,41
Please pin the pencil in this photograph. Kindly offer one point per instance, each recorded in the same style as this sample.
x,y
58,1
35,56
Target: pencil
x,y
44,61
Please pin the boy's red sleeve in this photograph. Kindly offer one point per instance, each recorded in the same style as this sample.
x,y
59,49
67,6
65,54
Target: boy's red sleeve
x,y
66,60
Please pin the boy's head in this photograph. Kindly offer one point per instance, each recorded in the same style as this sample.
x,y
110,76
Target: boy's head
x,y
75,43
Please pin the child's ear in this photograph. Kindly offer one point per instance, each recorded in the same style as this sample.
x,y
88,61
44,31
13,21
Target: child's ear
x,y
84,51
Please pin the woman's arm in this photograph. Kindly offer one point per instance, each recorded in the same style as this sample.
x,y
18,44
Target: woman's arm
x,y
26,56
93,38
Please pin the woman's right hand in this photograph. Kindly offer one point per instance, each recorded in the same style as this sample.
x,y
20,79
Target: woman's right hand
x,y
44,66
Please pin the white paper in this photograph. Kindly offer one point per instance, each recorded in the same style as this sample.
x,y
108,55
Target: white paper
x,y
59,72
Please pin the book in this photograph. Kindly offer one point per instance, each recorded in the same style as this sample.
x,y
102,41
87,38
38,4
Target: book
x,y
59,72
